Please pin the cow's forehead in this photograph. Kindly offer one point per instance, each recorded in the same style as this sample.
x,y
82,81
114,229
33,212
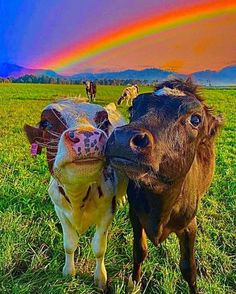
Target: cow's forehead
x,y
168,106
72,112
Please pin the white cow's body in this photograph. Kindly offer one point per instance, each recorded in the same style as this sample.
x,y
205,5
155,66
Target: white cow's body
x,y
84,190
77,216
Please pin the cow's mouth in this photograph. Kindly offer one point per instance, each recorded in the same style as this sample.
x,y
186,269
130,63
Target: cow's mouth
x,y
134,170
124,163
139,170
80,163
88,160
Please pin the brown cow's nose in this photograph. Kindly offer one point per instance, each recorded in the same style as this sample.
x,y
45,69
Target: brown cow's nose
x,y
140,140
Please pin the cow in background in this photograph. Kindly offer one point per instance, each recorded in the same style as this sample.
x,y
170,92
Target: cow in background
x,y
168,152
83,187
128,95
91,90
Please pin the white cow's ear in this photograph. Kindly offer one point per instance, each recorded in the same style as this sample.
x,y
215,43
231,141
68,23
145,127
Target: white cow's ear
x,y
35,136
114,116
111,106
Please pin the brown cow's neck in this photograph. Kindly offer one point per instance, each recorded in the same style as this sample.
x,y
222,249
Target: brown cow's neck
x,y
163,208
154,209
173,208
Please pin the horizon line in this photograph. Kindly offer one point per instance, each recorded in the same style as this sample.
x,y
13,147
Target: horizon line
x,y
116,71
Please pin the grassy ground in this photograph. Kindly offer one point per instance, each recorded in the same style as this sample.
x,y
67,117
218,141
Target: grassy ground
x,y
31,252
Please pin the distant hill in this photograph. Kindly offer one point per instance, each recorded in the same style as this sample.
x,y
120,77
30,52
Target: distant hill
x,y
149,74
14,70
226,76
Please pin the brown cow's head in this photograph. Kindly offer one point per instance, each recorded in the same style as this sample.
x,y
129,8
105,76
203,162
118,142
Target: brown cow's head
x,y
74,136
167,129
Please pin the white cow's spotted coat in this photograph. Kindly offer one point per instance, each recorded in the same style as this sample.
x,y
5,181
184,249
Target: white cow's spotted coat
x,y
84,191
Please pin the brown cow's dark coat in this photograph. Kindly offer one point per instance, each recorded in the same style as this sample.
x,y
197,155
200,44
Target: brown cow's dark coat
x,y
167,151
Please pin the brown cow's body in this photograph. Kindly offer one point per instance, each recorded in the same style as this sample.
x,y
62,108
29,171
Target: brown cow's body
x,y
167,151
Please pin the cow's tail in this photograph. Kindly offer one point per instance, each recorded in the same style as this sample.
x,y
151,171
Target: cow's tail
x,y
120,100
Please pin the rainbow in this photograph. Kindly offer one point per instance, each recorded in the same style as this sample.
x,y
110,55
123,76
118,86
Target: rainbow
x,y
113,38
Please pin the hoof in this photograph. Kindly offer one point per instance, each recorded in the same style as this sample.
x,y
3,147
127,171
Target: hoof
x,y
68,272
102,285
133,287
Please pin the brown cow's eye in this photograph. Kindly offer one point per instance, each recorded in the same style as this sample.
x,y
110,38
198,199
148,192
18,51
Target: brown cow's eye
x,y
195,120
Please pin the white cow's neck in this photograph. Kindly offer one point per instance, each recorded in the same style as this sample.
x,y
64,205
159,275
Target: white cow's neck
x,y
81,193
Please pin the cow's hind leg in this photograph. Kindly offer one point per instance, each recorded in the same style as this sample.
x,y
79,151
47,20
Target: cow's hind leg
x,y
70,240
139,249
99,245
187,261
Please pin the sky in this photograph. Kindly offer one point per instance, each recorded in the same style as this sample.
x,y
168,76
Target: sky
x,y
71,36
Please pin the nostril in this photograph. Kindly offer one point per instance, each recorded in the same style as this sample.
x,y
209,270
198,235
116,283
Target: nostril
x,y
72,137
102,138
140,140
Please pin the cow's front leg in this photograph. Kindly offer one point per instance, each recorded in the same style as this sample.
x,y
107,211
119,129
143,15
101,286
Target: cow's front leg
x,y
70,241
187,260
99,245
139,251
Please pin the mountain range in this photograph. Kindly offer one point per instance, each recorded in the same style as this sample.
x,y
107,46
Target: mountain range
x,y
225,76
15,71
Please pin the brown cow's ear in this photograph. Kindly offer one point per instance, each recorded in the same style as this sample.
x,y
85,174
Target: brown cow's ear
x,y
35,136
215,123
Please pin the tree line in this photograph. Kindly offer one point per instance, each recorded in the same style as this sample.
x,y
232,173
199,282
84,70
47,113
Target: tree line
x,y
60,80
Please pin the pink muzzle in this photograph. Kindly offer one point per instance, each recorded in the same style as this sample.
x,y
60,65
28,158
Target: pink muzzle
x,y
86,143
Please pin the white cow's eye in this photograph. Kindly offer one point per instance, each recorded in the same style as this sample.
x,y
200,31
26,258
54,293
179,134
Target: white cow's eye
x,y
45,125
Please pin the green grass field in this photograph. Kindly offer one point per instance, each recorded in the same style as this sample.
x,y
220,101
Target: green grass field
x,y
31,249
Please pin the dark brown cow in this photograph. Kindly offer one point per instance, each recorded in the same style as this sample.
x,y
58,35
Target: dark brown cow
x,y
167,151
91,90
